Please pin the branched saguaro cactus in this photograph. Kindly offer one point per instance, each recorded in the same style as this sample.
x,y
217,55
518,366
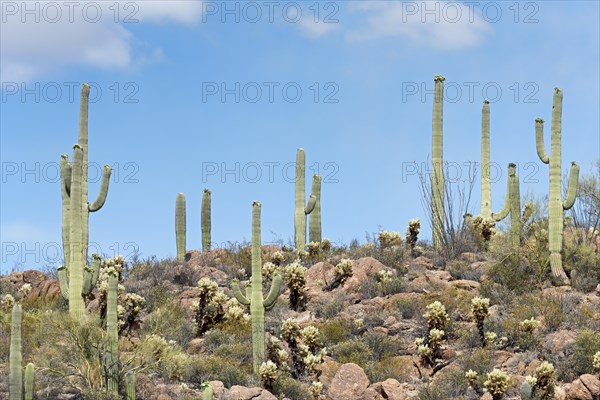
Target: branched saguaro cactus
x,y
437,177
254,295
556,205
300,210
180,224
314,221
206,223
111,353
512,205
486,191
75,214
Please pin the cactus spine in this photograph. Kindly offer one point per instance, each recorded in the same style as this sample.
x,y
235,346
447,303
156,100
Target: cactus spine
x,y
315,216
180,222
111,353
130,386
300,210
512,205
486,191
29,377
205,216
254,295
437,178
75,215
556,205
15,376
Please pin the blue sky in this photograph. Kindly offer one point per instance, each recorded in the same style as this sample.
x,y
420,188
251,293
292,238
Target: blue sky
x,y
176,108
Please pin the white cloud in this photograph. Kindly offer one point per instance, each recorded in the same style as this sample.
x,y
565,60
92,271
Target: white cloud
x,y
445,25
314,30
37,43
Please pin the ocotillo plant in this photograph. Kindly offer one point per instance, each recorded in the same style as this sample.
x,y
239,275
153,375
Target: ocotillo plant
x,y
254,295
556,205
437,177
180,225
300,210
205,217
15,375
76,209
486,191
512,205
314,221
111,353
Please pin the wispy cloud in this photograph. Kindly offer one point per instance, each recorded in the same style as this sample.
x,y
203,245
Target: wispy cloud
x,y
445,26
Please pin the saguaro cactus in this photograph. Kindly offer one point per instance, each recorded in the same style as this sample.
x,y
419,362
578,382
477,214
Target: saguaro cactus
x,y
15,375
512,205
254,295
556,205
75,213
207,393
130,385
315,216
205,217
437,177
300,210
29,378
486,191
180,224
111,353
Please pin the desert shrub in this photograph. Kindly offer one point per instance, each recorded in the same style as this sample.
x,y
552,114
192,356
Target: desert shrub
x,y
452,382
431,392
335,331
461,270
381,346
480,361
207,368
291,388
584,348
330,306
408,307
581,262
389,368
163,357
169,321
383,284
352,351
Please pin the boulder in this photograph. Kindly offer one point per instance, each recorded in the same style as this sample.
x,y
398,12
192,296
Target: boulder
x,y
350,382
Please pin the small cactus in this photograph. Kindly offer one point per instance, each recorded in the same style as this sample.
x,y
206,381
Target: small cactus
x,y
295,279
268,374
480,309
496,383
412,235
342,272
130,385
29,378
389,239
207,393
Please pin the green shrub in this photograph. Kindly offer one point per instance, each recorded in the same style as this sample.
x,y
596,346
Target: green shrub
x,y
586,345
352,351
169,321
335,331
291,388
210,368
390,368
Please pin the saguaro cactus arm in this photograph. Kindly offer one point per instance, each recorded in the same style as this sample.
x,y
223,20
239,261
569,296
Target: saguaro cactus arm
x,y
539,141
99,202
271,298
310,206
507,201
573,186
63,281
315,215
90,275
235,286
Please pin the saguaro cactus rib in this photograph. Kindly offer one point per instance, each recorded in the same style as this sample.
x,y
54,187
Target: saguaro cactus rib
x,y
556,205
437,178
180,226
314,222
254,297
206,219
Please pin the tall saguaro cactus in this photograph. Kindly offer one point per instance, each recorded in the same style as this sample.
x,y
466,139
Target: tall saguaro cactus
x,y
512,205
556,205
254,295
180,224
75,214
315,216
205,217
300,210
486,191
15,375
111,353
437,177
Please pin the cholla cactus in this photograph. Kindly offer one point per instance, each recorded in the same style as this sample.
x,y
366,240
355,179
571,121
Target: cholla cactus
x,y
290,330
235,313
108,267
268,374
295,279
311,337
277,258
480,308
484,228
436,315
210,309
25,289
490,338
412,235
304,346
316,388
529,325
326,245
389,239
496,384
7,302
384,276
314,249
130,312
268,270
302,255
342,272
596,362
544,381
471,377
